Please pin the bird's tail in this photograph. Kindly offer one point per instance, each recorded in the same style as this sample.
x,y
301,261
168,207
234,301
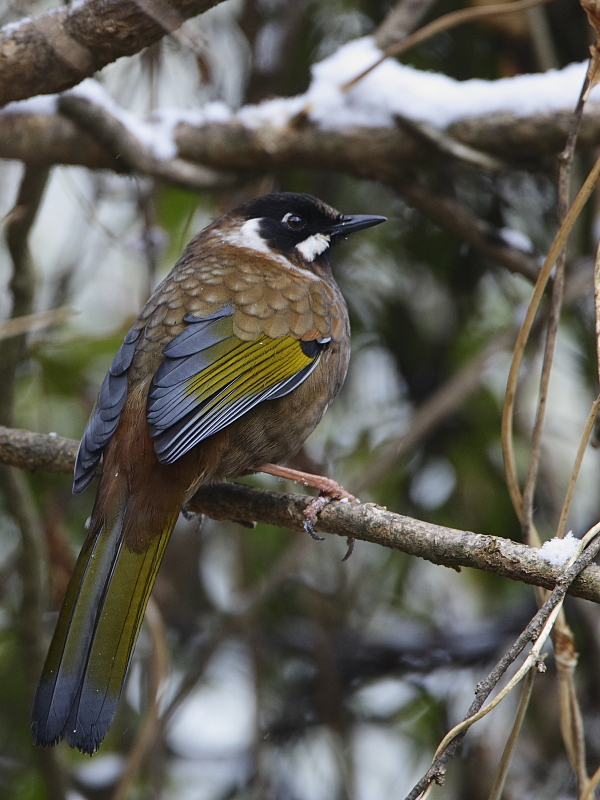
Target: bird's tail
x,y
96,631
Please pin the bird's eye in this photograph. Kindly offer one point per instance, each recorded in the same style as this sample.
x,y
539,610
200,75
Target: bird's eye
x,y
294,221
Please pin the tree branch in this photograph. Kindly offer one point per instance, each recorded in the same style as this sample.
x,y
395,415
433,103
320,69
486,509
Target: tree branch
x,y
367,521
379,154
59,49
110,131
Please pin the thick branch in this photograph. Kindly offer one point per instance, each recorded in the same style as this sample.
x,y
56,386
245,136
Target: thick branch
x,y
59,49
380,154
50,138
368,522
113,133
367,152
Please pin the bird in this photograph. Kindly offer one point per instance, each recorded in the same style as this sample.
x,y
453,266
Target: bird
x,y
226,371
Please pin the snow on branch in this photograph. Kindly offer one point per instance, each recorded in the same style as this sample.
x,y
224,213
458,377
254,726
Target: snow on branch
x,y
388,113
366,521
60,48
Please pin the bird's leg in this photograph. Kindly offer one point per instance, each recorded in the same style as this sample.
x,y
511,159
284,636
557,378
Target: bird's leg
x,y
328,490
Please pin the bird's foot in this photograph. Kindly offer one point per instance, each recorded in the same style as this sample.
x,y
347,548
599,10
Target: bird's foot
x,y
328,490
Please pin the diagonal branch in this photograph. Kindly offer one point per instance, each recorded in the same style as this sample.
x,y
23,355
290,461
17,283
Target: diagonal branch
x,y
112,132
59,49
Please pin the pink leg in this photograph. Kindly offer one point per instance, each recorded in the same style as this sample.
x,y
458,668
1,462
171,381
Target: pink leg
x,y
328,488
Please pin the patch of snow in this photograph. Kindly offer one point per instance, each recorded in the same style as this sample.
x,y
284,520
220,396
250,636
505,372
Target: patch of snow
x,y
516,239
390,90
42,105
156,137
277,112
394,89
11,27
75,4
557,551
215,111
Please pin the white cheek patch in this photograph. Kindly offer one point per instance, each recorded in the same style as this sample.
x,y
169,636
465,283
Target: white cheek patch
x,y
314,245
248,236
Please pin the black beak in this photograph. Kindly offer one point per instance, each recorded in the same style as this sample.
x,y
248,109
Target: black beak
x,y
356,222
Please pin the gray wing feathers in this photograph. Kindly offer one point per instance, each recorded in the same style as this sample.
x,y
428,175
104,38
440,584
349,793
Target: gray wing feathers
x,y
185,357
105,417
193,425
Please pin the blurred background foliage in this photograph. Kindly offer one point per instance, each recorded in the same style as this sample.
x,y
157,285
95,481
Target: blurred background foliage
x,y
293,676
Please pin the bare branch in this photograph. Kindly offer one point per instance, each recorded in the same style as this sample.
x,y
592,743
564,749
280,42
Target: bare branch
x,y
110,131
59,49
17,326
34,451
401,20
367,521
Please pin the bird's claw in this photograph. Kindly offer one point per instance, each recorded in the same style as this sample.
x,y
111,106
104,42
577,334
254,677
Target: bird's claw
x,y
350,542
312,510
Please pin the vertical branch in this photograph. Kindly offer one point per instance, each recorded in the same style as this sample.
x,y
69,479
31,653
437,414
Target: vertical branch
x,y
564,179
22,282
498,787
21,506
597,304
158,672
150,231
562,636
19,499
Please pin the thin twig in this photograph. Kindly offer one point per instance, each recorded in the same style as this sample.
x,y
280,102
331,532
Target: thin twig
x,y
444,23
511,742
564,179
544,276
400,21
588,792
147,734
562,636
541,623
18,326
581,450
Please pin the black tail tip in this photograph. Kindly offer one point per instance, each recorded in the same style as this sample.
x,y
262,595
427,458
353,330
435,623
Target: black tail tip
x,y
87,743
64,715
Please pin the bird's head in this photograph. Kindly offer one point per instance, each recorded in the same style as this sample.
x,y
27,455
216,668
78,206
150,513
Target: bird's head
x,y
298,226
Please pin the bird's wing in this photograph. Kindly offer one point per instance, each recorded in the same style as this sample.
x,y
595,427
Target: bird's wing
x,y
209,377
105,417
